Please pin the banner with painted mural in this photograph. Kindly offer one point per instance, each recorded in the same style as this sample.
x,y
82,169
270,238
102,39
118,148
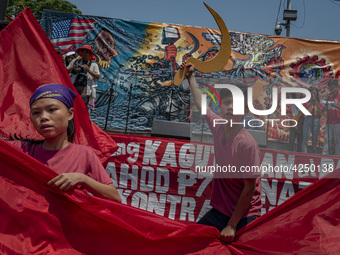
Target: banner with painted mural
x,y
138,61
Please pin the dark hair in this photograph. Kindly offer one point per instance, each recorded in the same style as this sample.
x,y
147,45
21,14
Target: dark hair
x,y
223,93
26,139
70,135
317,93
68,62
71,130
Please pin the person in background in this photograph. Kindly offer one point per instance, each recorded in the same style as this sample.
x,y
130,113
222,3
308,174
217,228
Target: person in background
x,y
311,124
332,129
84,73
77,166
296,132
68,57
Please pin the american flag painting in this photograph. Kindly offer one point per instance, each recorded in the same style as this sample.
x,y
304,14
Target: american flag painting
x,y
67,33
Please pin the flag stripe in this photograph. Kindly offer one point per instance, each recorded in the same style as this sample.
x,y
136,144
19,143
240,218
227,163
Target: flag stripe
x,y
67,43
67,49
83,21
69,40
78,31
80,27
68,33
76,34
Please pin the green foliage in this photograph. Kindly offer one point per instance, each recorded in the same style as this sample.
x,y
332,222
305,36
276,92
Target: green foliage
x,y
37,7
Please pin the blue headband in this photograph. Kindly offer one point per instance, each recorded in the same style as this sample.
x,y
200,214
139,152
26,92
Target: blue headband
x,y
55,91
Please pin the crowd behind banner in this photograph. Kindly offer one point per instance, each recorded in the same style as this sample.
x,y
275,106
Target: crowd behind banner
x,y
162,175
138,61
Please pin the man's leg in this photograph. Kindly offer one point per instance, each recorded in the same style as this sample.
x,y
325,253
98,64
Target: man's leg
x,y
307,126
219,220
315,134
292,136
299,137
336,133
215,218
243,222
327,138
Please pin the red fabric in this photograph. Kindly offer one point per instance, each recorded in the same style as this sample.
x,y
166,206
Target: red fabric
x,y
36,219
28,60
307,223
73,158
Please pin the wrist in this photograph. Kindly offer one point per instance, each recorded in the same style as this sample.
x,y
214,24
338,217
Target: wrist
x,y
232,225
190,77
83,178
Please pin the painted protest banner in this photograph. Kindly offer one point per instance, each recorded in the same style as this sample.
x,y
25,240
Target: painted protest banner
x,y
139,60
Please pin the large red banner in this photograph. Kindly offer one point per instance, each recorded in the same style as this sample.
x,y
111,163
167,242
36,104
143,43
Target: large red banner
x,y
36,219
27,61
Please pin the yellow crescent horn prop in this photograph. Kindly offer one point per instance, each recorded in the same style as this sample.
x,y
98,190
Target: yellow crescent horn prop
x,y
219,61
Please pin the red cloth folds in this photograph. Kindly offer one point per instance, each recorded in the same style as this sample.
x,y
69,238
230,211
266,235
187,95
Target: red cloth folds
x,y
37,219
307,223
28,60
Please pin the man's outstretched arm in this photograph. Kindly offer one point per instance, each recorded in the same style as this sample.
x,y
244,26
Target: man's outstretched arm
x,y
196,92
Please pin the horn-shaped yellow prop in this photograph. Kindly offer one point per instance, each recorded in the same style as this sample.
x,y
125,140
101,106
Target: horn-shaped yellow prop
x,y
219,61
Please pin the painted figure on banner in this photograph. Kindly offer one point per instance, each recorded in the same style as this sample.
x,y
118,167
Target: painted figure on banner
x,y
209,54
104,48
162,104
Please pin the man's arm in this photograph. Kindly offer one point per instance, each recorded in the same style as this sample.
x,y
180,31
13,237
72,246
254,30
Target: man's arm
x,y
228,233
196,92
94,74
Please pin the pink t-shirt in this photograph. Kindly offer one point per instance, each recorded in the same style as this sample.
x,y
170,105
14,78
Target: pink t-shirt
x,y
73,158
239,151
